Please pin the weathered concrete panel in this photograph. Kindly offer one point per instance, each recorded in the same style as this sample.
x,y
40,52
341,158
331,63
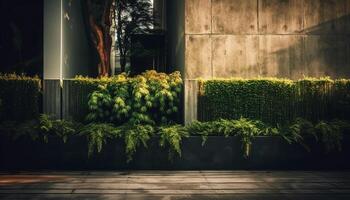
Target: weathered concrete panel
x,y
327,55
198,57
198,16
235,56
327,16
52,39
281,56
191,90
281,16
234,16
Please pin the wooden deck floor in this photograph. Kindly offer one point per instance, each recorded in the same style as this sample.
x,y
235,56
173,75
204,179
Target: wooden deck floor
x,y
168,185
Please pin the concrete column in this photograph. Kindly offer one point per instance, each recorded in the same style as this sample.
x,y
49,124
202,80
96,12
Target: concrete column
x,y
68,51
53,57
190,103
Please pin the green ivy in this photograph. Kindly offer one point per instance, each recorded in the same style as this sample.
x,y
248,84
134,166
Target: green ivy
x,y
274,101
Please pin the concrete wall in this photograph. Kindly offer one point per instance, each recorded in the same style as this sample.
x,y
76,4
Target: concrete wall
x,y
279,38
267,38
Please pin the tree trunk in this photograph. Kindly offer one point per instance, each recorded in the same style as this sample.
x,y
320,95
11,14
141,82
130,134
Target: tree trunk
x,y
101,36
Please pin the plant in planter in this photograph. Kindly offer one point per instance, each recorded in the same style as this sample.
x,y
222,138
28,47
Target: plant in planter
x,y
150,98
97,135
331,135
244,128
134,136
172,136
247,130
61,128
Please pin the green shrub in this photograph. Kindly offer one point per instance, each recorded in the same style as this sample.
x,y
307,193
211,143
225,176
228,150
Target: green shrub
x,y
40,129
150,98
172,136
274,101
61,128
20,97
97,135
331,134
136,135
244,128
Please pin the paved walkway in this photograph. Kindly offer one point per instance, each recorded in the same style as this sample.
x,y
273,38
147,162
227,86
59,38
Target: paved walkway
x,y
168,185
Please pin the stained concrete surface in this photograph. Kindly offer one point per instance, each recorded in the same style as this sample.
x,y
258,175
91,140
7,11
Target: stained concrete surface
x,y
265,38
176,185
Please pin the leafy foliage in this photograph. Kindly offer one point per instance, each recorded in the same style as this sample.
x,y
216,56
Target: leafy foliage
x,y
244,128
328,133
97,135
247,130
20,97
61,128
150,98
135,136
331,135
172,136
274,101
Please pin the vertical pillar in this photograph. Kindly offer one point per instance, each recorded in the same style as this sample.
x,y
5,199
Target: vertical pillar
x,y
190,103
53,57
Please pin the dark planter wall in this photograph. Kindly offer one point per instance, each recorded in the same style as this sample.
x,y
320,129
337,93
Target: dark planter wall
x,y
217,153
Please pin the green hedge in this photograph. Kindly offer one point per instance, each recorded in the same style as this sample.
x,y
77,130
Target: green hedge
x,y
20,97
274,100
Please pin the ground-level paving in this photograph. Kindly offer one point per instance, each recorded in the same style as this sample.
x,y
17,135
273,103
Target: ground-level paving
x,y
168,185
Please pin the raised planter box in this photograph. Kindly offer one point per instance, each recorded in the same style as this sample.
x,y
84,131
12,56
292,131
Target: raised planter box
x,y
217,153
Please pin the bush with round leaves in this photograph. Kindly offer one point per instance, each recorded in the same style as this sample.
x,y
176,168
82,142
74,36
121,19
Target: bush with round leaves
x,y
150,98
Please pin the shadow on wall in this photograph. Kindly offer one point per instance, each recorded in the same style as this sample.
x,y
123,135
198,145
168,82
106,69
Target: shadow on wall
x,y
322,50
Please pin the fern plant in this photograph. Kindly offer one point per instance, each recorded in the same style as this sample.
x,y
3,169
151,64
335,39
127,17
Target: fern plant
x,y
61,128
97,135
203,129
172,136
331,135
134,136
244,128
247,130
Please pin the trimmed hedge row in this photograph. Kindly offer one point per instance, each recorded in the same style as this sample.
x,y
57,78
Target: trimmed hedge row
x,y
20,97
274,100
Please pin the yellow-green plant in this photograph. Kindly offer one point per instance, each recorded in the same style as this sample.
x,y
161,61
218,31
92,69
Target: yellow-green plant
x,y
150,98
172,136
134,136
61,128
98,134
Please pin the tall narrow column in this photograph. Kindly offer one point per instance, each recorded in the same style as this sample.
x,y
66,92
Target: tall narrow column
x,y
53,57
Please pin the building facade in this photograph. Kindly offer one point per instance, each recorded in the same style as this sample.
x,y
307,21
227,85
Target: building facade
x,y
258,38
223,38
